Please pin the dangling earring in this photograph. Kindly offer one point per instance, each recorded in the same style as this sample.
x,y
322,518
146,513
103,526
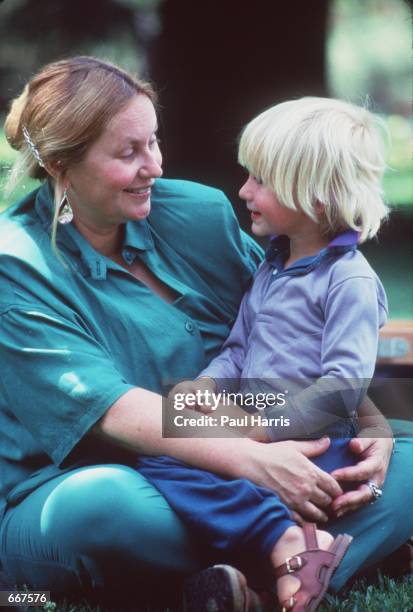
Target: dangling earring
x,y
65,210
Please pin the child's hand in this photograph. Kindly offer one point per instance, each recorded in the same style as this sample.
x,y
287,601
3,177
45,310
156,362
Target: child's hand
x,y
259,434
195,393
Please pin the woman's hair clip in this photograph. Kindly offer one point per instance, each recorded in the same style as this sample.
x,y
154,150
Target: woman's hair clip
x,y
32,146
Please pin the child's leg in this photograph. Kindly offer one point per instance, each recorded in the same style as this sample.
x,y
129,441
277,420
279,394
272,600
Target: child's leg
x,y
237,515
231,515
338,455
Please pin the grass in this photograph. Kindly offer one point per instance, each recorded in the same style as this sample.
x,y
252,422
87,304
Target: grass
x,y
66,606
386,595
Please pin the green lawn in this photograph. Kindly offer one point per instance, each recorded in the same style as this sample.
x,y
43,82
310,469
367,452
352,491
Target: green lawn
x,y
387,595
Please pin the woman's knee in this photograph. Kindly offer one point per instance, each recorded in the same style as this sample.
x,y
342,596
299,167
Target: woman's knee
x,y
99,504
106,519
111,509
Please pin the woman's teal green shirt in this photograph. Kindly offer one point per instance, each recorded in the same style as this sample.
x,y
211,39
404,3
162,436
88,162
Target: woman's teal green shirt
x,y
76,337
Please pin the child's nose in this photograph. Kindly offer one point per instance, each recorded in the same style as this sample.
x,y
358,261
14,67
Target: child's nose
x,y
243,192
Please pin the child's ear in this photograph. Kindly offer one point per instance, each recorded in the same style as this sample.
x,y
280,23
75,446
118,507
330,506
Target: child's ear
x,y
319,208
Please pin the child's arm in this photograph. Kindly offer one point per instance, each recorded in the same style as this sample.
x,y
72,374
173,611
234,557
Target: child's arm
x,y
198,390
372,422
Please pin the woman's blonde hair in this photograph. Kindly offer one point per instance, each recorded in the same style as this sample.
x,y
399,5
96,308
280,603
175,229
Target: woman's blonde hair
x,y
320,150
63,110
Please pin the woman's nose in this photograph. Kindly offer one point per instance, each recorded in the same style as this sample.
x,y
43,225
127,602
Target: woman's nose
x,y
152,167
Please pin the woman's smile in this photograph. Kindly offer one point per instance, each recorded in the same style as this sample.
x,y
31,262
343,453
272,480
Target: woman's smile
x,y
139,191
139,194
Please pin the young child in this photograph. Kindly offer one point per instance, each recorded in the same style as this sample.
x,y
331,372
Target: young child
x,y
308,325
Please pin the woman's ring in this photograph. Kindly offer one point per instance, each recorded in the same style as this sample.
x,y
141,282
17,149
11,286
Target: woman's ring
x,y
375,491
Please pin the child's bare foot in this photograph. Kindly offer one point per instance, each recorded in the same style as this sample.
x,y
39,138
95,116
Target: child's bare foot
x,y
305,560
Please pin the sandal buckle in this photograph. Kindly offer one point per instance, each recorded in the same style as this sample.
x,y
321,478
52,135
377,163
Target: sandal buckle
x,y
298,563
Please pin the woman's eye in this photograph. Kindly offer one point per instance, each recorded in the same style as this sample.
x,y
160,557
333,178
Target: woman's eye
x,y
127,154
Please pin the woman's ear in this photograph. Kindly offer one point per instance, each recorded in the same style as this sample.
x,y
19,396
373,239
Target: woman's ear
x,y
55,170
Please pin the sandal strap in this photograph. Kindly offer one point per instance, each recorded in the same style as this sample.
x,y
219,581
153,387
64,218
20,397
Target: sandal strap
x,y
297,563
310,536
291,565
313,568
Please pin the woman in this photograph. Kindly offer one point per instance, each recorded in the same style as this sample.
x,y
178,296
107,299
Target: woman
x,y
103,306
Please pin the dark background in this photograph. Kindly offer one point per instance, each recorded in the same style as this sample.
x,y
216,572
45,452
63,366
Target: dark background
x,y
218,63
215,64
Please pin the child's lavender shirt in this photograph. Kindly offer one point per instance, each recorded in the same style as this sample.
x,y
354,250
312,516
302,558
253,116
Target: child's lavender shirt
x,y
310,326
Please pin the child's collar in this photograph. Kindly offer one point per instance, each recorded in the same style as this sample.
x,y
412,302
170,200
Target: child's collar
x,y
347,238
279,251
281,244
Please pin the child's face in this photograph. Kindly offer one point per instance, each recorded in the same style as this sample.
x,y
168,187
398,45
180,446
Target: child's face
x,y
267,214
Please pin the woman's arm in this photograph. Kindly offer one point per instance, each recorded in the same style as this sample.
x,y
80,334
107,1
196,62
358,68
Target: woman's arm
x,y
134,421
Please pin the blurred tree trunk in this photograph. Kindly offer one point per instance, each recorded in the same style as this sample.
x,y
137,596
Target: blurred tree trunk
x,y
33,33
218,63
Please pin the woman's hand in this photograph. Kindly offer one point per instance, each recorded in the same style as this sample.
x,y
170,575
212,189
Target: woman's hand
x,y
285,468
375,454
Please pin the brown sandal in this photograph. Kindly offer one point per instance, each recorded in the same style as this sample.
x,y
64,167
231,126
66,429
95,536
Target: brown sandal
x,y
314,568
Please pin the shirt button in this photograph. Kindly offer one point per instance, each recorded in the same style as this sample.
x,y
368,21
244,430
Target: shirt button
x,y
190,328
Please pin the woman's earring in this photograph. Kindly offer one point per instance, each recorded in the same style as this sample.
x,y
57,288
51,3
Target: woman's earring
x,y
65,210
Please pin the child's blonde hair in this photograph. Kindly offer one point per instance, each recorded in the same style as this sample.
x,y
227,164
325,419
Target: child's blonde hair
x,y
320,150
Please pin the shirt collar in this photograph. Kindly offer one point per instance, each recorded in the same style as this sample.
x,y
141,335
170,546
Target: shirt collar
x,y
279,251
137,237
347,238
